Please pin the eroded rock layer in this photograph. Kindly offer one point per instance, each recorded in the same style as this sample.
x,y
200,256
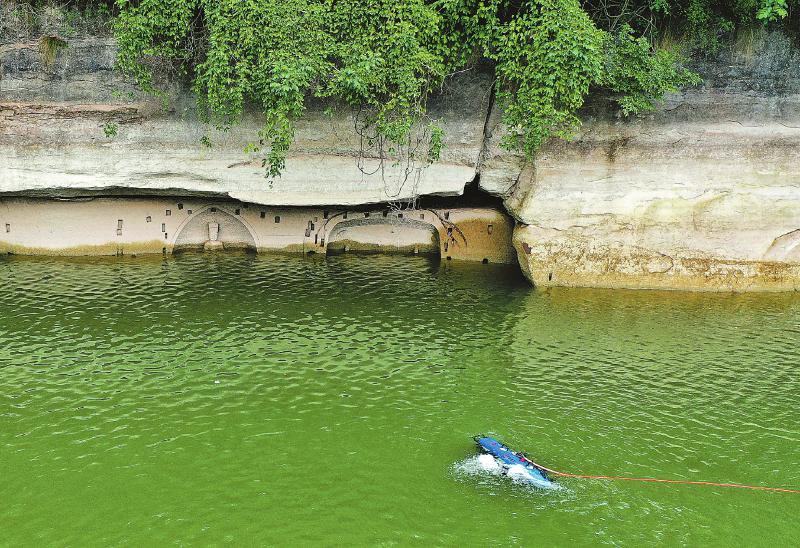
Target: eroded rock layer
x,y
75,124
131,226
702,194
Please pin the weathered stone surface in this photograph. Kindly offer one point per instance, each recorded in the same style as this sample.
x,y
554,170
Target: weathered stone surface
x,y
379,235
702,194
76,124
139,225
499,169
83,72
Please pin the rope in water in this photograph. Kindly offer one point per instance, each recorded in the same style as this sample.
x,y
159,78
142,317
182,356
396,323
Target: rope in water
x,y
655,480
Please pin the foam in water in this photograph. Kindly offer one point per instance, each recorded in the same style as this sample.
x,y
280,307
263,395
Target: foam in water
x,y
479,465
519,474
486,465
489,464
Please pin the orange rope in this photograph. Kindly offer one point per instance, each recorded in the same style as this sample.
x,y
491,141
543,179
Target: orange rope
x,y
654,480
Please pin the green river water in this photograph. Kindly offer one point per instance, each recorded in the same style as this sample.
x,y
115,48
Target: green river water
x,y
279,400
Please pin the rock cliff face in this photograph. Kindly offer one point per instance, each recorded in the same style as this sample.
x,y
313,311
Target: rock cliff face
x,y
702,194
76,124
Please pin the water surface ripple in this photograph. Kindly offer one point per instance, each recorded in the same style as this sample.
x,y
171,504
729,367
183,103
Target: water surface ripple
x,y
286,400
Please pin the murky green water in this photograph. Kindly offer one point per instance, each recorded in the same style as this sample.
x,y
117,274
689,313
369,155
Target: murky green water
x,y
281,400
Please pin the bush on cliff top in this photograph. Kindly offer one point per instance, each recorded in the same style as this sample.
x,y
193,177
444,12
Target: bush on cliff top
x,y
21,20
385,57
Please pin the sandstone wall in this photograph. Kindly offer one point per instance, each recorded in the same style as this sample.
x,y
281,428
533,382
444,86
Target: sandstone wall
x,y
129,226
702,194
77,125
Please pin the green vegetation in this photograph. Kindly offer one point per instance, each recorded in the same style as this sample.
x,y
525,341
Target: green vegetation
x,y
49,46
110,130
384,58
25,19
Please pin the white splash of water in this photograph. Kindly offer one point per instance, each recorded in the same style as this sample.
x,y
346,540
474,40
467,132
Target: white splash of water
x,y
479,465
519,474
486,465
490,464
